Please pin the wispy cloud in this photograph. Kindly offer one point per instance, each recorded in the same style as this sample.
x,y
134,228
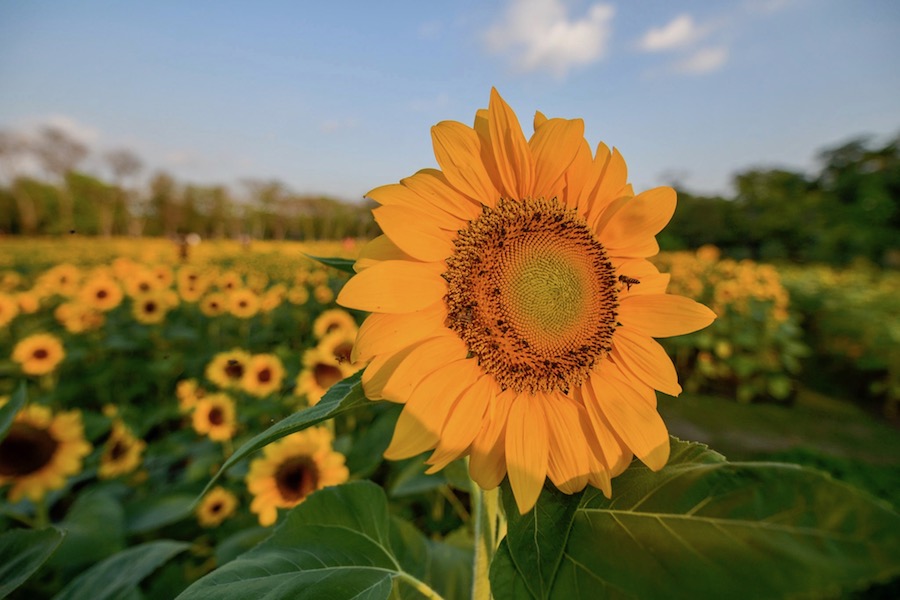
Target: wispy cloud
x,y
336,125
702,61
539,35
680,32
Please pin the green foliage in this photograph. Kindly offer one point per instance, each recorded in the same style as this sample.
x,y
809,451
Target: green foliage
x,y
340,543
22,552
342,397
701,526
9,410
852,318
118,576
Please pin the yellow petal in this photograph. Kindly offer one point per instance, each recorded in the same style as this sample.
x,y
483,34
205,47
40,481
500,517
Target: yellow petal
x,y
605,182
554,146
398,194
487,461
431,183
383,333
414,232
378,250
420,424
464,422
613,454
512,156
576,176
643,357
457,149
641,218
394,286
379,371
631,415
539,119
568,464
664,315
429,356
527,449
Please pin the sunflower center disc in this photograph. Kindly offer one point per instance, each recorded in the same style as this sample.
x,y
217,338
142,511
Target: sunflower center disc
x,y
25,450
296,478
533,294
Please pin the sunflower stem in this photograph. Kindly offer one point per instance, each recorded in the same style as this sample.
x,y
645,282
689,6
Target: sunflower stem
x,y
489,523
42,514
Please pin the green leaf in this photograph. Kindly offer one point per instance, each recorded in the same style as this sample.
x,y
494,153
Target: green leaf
x,y
157,511
95,529
701,527
119,575
339,543
341,264
9,410
342,397
22,552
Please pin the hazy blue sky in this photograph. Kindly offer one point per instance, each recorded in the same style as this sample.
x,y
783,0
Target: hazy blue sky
x,y
339,97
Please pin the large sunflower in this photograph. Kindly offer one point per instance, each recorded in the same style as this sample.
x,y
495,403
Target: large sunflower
x,y
40,451
514,309
291,469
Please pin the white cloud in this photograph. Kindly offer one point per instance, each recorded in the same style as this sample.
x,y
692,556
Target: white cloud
x,y
703,61
539,35
32,126
679,32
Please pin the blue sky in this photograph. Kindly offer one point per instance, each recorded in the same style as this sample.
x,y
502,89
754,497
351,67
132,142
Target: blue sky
x,y
339,97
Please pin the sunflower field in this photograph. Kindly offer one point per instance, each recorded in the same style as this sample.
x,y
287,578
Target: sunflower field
x,y
144,372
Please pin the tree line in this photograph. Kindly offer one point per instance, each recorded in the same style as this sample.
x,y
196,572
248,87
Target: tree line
x,y
63,198
848,209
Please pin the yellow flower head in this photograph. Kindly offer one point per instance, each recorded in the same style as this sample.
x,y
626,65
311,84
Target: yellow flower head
x,y
188,392
291,469
41,451
216,506
320,371
226,369
9,308
29,302
122,452
39,354
140,282
298,295
263,375
514,308
333,319
323,294
151,308
243,303
101,293
214,304
62,279
214,416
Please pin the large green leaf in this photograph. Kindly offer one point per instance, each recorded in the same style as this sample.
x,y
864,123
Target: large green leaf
x,y
95,529
22,552
700,527
342,397
339,543
119,575
9,410
341,264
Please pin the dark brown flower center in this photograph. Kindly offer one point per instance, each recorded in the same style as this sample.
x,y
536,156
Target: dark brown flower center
x,y
40,353
342,352
326,375
264,375
216,416
296,478
234,369
215,507
101,294
533,295
26,450
118,450
150,307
